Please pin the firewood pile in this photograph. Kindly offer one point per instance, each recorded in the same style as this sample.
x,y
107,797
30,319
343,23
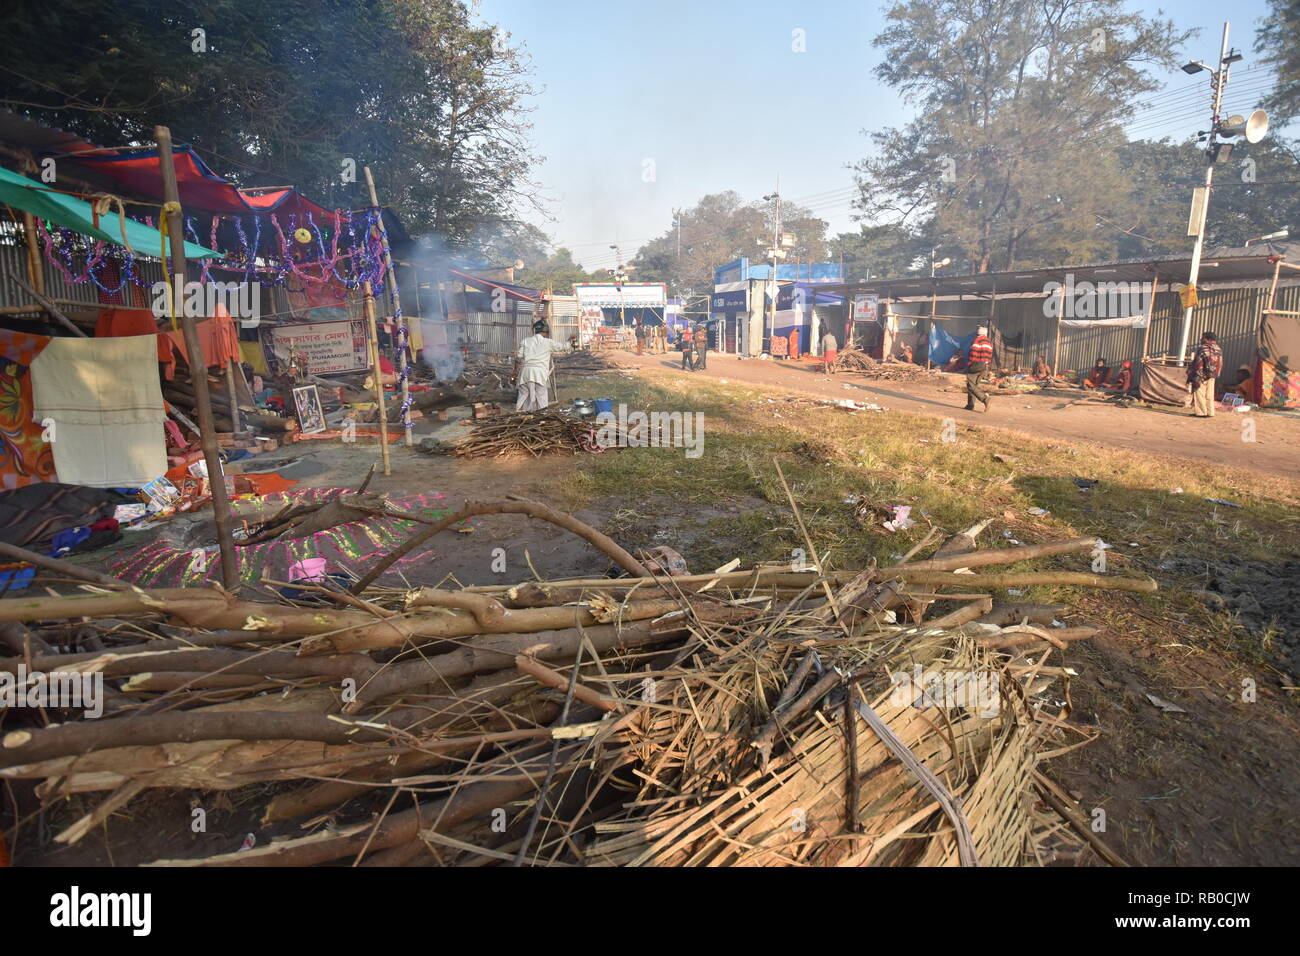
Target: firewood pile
x,y
498,372
531,433
761,717
856,360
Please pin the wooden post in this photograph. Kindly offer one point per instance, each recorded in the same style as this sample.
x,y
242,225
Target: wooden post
x,y
375,374
394,309
1151,315
198,370
235,423
35,269
1056,349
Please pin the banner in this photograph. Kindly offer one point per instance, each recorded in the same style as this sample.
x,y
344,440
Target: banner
x,y
628,295
736,300
866,308
1126,322
325,346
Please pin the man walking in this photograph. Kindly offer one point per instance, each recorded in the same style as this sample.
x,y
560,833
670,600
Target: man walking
x,y
702,345
533,368
1207,362
978,359
687,349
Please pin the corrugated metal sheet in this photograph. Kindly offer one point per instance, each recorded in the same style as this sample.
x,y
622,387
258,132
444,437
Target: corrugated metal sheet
x,y
13,265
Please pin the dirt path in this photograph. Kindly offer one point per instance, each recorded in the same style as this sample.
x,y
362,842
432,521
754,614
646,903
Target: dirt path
x,y
1275,450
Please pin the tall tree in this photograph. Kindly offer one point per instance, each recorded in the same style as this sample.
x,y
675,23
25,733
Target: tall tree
x,y
1276,40
1013,153
285,92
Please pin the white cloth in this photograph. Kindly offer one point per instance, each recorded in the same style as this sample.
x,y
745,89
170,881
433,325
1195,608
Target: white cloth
x,y
105,401
534,354
533,397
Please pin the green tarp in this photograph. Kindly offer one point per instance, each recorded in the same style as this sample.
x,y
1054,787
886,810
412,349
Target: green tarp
x,y
78,215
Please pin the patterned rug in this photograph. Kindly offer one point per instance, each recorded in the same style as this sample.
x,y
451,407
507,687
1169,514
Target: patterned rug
x,y
346,547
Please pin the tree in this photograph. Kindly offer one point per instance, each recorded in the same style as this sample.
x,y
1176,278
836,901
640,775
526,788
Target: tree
x,y
283,93
557,272
1014,152
1276,40
880,252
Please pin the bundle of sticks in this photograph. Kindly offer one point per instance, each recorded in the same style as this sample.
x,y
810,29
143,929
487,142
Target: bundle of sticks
x,y
856,360
533,433
739,717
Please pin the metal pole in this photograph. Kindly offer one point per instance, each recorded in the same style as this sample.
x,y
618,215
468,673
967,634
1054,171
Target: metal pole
x,y
1220,81
198,369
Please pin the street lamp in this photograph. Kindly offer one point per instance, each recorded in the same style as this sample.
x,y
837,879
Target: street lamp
x,y
1252,129
1280,234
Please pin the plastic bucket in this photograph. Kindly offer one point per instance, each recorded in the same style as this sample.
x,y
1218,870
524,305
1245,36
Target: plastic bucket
x,y
604,406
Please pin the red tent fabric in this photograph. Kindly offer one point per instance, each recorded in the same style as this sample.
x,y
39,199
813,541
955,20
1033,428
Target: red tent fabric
x,y
200,188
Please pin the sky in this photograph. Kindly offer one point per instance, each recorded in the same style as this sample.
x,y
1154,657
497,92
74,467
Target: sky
x,y
647,105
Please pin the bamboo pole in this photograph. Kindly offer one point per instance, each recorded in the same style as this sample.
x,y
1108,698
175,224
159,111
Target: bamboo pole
x,y
1056,350
235,420
394,311
1151,315
198,371
379,383
35,270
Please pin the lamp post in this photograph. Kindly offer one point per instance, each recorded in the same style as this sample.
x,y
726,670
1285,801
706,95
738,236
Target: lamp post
x,y
1253,130
775,252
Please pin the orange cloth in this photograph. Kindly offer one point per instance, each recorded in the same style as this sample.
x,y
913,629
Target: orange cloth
x,y
217,337
113,323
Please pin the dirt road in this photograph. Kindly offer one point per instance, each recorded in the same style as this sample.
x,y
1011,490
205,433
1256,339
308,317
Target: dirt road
x,y
1220,440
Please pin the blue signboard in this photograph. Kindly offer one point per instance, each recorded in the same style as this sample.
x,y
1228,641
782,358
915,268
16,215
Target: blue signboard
x,y
735,301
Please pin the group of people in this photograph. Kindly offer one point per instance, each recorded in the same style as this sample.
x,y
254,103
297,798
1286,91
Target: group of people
x,y
1099,376
693,343
648,336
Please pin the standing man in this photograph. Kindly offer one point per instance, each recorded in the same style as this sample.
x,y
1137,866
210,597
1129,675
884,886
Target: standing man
x,y
1207,362
702,345
830,352
687,349
533,367
978,359
639,331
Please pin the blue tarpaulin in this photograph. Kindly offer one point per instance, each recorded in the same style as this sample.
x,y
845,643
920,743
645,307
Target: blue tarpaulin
x,y
944,346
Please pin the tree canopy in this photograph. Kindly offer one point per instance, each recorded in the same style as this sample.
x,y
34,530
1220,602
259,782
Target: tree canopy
x,y
284,93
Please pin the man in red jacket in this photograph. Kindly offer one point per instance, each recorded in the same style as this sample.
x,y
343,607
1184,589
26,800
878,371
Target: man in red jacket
x,y
978,360
1207,362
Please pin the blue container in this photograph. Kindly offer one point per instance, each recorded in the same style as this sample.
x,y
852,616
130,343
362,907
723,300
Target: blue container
x,y
604,406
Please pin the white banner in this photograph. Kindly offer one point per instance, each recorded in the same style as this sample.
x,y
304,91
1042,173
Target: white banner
x,y
630,295
325,346
1126,322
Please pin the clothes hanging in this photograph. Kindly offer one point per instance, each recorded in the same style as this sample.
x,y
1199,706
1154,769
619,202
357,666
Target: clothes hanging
x,y
106,406
25,457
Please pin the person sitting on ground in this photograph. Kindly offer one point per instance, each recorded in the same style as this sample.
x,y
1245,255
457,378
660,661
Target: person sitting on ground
x,y
1124,380
1245,386
955,364
1099,375
904,354
1042,371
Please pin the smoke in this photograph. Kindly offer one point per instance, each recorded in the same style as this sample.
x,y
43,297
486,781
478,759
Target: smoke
x,y
440,350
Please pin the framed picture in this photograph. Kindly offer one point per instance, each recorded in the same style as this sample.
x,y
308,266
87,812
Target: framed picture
x,y
311,416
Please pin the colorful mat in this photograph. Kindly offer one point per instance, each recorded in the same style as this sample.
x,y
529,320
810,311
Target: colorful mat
x,y
346,547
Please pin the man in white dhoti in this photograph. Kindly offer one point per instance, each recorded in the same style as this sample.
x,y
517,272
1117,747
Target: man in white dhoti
x,y
533,368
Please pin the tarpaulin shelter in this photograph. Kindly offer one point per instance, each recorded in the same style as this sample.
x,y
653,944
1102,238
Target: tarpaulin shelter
x,y
80,216
139,171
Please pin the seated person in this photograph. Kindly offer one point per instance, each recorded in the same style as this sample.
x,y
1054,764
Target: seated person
x,y
1042,371
1099,375
904,354
956,363
1245,384
1124,380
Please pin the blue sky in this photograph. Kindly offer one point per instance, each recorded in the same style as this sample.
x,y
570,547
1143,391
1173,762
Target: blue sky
x,y
713,95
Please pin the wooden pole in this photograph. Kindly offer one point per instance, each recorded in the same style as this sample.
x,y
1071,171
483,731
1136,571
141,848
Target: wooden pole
x,y
235,423
379,382
1151,315
35,270
198,371
395,309
1056,349
50,307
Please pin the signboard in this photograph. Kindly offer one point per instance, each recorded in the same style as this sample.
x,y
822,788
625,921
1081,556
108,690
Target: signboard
x,y
735,301
628,295
325,346
866,308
